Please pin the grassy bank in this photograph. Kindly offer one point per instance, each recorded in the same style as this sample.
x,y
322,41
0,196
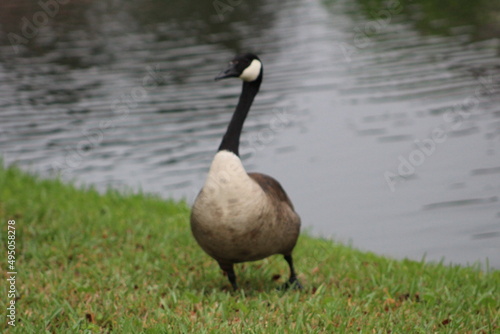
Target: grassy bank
x,y
119,263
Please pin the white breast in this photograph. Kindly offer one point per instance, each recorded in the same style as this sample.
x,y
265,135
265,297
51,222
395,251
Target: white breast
x,y
229,196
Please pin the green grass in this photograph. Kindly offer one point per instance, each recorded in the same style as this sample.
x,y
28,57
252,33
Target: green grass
x,y
127,263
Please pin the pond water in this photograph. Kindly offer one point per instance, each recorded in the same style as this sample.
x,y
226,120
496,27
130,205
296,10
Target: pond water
x,y
380,119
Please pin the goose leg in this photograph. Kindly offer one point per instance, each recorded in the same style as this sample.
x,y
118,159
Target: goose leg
x,y
229,270
293,282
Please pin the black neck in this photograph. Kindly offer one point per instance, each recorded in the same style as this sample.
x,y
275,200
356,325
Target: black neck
x,y
231,140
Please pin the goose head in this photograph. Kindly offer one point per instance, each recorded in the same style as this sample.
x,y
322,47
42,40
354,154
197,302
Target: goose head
x,y
247,67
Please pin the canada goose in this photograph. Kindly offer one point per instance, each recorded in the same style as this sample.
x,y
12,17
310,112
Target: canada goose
x,y
239,216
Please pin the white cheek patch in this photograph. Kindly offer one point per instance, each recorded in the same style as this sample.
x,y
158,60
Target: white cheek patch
x,y
251,72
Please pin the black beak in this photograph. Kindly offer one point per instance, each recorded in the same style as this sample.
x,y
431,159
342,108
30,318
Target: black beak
x,y
229,72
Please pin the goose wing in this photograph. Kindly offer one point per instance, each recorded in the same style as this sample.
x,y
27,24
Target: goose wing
x,y
272,188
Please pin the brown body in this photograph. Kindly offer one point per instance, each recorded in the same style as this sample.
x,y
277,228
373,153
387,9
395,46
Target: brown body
x,y
241,217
